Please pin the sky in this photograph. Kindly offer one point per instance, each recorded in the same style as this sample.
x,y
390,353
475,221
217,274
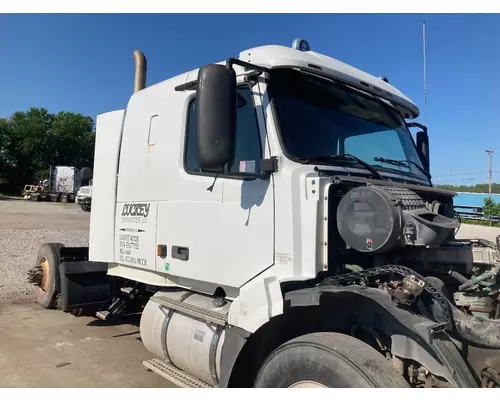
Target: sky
x,y
83,63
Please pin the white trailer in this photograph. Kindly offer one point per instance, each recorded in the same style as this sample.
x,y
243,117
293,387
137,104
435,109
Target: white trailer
x,y
275,222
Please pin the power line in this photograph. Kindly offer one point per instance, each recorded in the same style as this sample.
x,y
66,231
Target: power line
x,y
456,181
425,74
464,173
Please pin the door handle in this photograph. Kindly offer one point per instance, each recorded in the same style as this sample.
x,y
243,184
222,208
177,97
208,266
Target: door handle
x,y
180,253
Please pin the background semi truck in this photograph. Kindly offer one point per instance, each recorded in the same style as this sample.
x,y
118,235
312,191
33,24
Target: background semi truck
x,y
84,197
274,220
61,185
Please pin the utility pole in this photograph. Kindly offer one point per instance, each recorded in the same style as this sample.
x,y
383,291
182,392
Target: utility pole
x,y
425,74
490,153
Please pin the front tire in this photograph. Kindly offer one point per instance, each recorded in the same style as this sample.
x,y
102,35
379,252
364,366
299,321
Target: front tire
x,y
330,360
48,259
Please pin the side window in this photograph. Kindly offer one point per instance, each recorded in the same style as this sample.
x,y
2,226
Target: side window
x,y
248,150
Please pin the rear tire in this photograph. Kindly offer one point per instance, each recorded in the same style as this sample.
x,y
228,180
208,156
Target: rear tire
x,y
327,359
48,258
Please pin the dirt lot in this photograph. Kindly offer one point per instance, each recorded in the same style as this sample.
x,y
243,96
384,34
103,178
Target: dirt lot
x,y
478,231
42,215
42,348
45,348
24,227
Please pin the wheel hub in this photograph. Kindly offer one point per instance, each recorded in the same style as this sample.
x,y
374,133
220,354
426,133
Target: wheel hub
x,y
44,265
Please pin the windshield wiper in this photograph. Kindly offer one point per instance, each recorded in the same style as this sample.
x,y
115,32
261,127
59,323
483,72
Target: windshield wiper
x,y
338,157
403,163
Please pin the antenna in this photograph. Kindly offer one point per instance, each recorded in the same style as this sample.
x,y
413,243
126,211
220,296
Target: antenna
x,y
425,76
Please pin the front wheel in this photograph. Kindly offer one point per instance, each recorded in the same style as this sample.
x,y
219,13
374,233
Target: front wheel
x,y
327,360
48,281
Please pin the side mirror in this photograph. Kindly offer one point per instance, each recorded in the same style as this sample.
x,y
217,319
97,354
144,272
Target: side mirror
x,y
423,149
216,117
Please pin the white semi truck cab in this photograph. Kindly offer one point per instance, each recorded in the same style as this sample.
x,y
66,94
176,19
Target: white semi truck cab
x,y
274,220
84,197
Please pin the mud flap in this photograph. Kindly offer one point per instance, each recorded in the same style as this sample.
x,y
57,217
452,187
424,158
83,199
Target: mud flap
x,y
84,284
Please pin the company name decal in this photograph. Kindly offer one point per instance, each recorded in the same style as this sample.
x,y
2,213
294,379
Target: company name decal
x,y
136,210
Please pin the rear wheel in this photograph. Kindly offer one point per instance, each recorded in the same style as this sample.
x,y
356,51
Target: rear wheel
x,y
327,360
49,283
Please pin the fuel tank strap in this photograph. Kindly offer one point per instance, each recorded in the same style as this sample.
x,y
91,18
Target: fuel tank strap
x,y
164,328
192,310
214,344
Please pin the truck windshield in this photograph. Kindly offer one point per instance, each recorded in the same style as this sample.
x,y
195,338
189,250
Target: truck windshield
x,y
319,119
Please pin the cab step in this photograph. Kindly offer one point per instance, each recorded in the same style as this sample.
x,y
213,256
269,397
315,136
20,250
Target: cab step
x,y
127,290
174,374
118,304
102,315
191,310
116,308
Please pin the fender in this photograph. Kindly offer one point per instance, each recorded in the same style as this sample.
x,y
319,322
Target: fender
x,y
235,339
413,336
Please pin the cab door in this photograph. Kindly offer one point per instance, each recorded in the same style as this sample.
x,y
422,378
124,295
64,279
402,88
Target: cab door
x,y
249,202
224,235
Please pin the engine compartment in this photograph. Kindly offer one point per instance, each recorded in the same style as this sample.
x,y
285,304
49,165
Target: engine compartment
x,y
375,225
402,241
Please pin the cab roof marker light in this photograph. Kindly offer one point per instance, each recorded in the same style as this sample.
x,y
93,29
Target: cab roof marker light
x,y
301,44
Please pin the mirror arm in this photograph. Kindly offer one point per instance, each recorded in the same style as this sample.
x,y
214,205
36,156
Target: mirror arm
x,y
235,61
191,85
417,125
268,166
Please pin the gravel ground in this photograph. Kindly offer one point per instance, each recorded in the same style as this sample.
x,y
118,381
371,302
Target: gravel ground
x,y
478,232
24,227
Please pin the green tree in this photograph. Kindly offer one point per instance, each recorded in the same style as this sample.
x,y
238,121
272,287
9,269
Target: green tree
x,y
73,139
4,138
32,141
491,208
28,150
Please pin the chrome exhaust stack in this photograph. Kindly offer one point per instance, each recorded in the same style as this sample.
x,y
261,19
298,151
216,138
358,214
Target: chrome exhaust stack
x,y
140,71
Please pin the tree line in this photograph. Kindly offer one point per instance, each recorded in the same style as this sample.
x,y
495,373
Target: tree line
x,y
31,141
479,188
